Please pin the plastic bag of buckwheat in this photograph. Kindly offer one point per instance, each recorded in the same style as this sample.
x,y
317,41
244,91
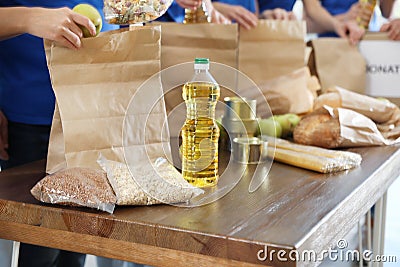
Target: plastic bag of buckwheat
x,y
76,187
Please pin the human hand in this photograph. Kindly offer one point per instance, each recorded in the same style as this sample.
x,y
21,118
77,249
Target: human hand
x,y
59,25
241,15
349,29
278,14
352,13
3,136
218,18
191,4
392,28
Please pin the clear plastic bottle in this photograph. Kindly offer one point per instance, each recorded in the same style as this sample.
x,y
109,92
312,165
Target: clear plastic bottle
x,y
200,132
198,15
366,13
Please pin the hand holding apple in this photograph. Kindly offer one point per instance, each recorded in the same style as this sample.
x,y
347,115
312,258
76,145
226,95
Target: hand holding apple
x,y
91,13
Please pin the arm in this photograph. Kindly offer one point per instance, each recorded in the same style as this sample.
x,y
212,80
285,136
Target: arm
x,y
237,13
393,29
386,7
351,14
59,25
3,136
319,20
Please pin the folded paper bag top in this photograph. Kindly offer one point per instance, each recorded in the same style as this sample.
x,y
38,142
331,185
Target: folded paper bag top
x,y
95,87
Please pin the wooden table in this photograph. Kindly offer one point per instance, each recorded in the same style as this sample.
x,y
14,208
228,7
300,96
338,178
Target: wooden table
x,y
294,209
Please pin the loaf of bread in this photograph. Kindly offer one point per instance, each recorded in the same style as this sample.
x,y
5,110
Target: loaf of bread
x,y
318,128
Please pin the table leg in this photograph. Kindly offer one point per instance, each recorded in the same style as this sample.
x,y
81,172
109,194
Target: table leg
x,y
369,234
379,229
15,254
360,243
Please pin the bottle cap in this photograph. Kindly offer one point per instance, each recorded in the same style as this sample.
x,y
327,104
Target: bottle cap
x,y
201,64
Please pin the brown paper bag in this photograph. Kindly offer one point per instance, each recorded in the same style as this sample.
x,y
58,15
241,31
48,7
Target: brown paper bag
x,y
339,127
294,92
383,112
95,88
182,43
272,49
339,63
377,110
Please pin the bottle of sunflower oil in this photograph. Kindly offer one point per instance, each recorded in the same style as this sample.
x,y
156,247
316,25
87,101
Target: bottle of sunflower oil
x,y
365,13
198,15
200,132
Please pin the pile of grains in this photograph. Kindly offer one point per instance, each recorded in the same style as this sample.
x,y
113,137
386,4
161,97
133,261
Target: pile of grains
x,y
134,11
76,187
148,184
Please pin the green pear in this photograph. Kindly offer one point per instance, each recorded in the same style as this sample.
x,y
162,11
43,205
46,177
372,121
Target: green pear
x,y
270,127
91,13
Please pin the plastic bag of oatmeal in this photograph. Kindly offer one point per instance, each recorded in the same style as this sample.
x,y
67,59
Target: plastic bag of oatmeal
x,y
148,184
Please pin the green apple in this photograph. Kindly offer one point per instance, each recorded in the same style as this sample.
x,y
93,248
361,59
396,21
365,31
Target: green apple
x,y
91,13
287,122
270,127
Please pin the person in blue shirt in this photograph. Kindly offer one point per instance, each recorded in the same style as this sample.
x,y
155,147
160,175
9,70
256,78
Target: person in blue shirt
x,y
346,12
349,10
343,10
316,13
26,95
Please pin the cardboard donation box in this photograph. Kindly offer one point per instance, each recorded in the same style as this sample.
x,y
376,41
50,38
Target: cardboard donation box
x,y
383,65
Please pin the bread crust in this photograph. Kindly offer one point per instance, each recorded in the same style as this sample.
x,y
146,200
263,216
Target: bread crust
x,y
318,129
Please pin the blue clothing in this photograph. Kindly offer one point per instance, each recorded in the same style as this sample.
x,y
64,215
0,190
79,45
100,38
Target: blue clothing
x,y
175,13
248,4
26,94
336,7
272,4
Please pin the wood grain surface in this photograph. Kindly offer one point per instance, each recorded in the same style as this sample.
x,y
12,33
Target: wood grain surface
x,y
294,209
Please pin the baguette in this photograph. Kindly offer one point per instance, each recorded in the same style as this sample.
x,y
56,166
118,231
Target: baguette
x,y
312,158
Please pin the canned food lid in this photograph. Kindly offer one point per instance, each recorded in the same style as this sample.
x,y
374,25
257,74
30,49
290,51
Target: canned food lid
x,y
249,150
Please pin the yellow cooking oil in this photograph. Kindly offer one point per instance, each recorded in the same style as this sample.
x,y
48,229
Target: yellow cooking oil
x,y
200,132
198,15
366,12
